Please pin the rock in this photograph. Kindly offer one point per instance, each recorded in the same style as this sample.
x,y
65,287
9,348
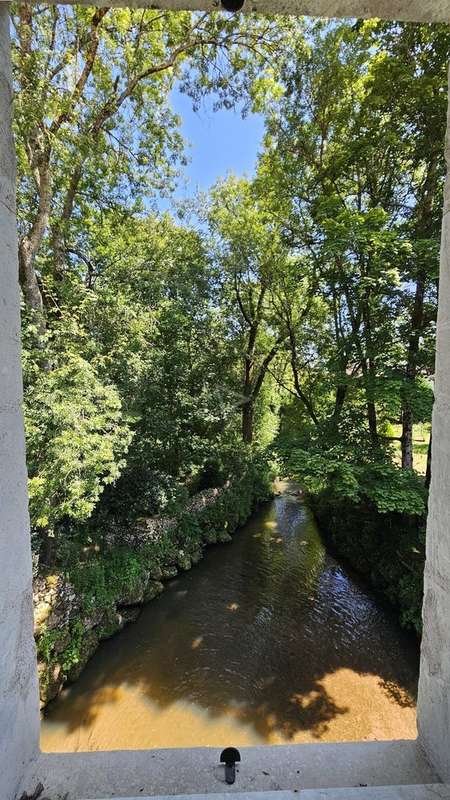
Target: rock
x,y
154,588
196,556
129,615
184,562
62,641
171,571
111,623
88,646
146,529
224,537
50,681
94,618
41,613
55,602
156,573
203,499
134,595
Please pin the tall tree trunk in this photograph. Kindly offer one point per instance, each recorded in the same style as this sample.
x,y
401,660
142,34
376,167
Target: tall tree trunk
x,y
252,388
47,549
411,370
28,278
341,388
372,419
407,437
39,149
30,243
300,393
60,226
247,421
367,364
370,371
341,393
369,378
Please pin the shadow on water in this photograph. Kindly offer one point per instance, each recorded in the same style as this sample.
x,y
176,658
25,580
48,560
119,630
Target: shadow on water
x,y
270,634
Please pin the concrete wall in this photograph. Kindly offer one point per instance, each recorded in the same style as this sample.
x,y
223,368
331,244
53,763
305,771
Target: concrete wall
x,y
19,719
434,688
19,710
415,10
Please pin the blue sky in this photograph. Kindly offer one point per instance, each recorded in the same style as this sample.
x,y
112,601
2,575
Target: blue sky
x,y
220,142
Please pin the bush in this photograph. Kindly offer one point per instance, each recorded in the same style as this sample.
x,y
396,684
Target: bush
x,y
387,487
76,440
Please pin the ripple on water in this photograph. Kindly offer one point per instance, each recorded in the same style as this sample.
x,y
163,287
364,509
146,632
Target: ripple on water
x,y
268,640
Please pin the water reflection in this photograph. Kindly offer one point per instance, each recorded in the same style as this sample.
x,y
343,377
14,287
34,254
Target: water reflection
x,y
267,640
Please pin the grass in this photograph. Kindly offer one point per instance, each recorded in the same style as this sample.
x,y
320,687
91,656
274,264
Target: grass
x,y
421,438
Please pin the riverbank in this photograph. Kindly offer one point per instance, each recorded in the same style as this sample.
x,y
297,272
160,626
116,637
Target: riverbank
x,y
270,640
78,607
373,515
387,549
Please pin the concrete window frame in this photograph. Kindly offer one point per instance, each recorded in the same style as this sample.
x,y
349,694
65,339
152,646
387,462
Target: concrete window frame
x,y
426,760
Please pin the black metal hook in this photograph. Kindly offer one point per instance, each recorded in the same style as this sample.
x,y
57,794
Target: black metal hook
x,y
232,5
229,756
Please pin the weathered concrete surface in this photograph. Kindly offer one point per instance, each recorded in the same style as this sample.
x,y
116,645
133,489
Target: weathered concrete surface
x,y
413,10
105,774
434,791
433,712
409,10
19,711
197,770
236,796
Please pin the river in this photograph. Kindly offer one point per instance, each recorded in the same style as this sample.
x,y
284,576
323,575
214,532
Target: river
x,y
268,640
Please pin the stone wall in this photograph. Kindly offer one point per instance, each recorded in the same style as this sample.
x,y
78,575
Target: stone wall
x,y
18,689
413,10
434,687
19,717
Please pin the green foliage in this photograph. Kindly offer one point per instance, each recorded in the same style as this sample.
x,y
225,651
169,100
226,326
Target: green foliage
x,y
393,490
76,441
385,486
161,356
71,655
118,302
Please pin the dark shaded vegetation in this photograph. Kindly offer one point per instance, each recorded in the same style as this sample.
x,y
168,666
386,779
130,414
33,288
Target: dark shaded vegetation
x,y
388,549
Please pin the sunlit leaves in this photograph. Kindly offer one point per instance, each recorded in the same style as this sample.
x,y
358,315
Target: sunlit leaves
x,y
77,438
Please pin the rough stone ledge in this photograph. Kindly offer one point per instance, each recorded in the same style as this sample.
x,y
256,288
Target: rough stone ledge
x,y
435,791
411,10
142,773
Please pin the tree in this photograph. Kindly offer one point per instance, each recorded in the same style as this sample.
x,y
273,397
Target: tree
x,y
356,188
97,142
250,258
82,78
77,438
413,60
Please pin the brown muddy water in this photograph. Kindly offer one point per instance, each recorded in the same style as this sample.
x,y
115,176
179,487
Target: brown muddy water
x,y
269,640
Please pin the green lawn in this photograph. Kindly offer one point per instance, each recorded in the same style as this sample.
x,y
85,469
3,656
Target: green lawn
x,y
420,445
